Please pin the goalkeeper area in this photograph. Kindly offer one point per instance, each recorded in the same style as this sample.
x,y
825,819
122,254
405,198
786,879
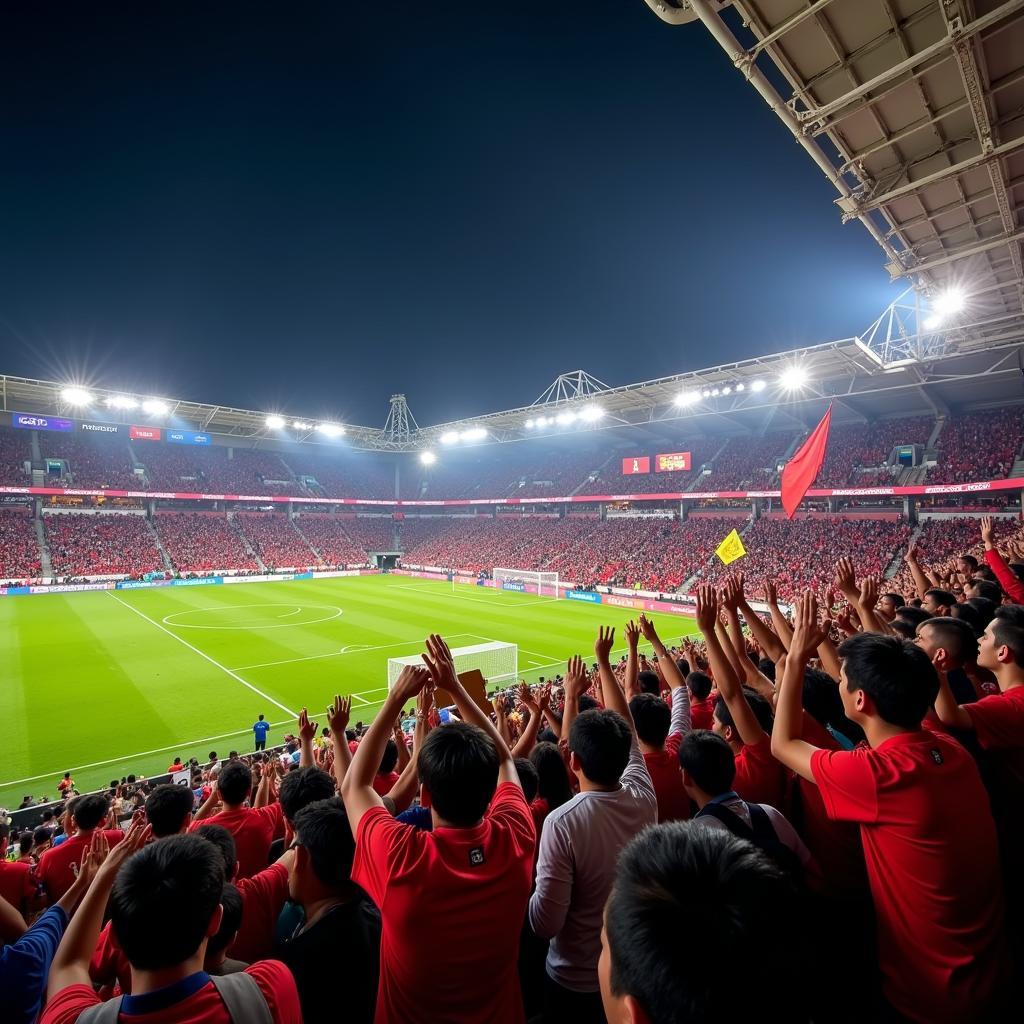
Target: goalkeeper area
x,y
110,682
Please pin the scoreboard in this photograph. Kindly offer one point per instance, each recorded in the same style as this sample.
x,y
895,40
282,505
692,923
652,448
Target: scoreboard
x,y
672,462
636,464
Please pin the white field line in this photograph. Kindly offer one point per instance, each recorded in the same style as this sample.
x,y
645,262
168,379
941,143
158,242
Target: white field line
x,y
203,654
463,597
350,649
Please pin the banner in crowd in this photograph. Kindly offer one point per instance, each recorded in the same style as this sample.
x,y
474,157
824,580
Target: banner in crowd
x,y
187,437
107,429
144,433
30,421
731,548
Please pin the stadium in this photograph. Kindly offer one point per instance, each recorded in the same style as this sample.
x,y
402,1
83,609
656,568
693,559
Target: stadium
x,y
173,570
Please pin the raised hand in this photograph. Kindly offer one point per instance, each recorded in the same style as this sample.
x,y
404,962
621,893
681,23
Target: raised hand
x,y
988,531
307,729
846,576
338,716
439,661
633,632
770,594
410,682
808,633
544,700
576,681
732,592
869,592
648,630
913,553
707,608
604,642
527,698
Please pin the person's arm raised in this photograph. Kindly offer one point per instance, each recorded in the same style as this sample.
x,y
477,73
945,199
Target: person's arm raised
x,y
439,661
210,804
771,645
783,630
669,669
527,741
912,558
403,791
357,790
576,684
632,659
787,730
949,712
614,698
307,730
338,716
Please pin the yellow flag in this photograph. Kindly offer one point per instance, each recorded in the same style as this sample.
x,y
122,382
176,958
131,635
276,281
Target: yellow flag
x,y
731,548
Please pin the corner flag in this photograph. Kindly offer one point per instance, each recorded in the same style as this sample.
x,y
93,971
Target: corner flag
x,y
800,472
731,548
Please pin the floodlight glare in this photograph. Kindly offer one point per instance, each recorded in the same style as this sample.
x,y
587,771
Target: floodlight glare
x,y
741,387
474,434
948,303
428,458
715,392
155,406
565,418
449,437
706,392
758,385
932,323
529,424
275,422
330,429
301,425
121,402
687,397
591,413
726,391
793,378
76,396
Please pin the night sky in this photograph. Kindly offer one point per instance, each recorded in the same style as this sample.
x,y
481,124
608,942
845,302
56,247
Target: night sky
x,y
308,206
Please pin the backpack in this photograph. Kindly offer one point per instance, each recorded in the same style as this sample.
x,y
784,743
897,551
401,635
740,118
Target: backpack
x,y
243,998
759,833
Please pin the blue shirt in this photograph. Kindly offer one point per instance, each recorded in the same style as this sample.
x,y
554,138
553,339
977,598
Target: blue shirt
x,y
25,964
261,729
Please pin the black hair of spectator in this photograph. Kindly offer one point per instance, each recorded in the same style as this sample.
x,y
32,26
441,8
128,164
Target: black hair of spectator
x,y
651,717
822,702
897,599
601,740
389,758
163,899
907,630
940,596
896,674
989,590
761,708
730,894
41,834
528,778
224,841
90,810
983,572
234,783
167,808
231,901
970,561
985,608
554,784
324,832
912,614
25,841
303,787
648,682
957,636
458,764
587,703
684,667
708,760
1011,613
1008,633
700,684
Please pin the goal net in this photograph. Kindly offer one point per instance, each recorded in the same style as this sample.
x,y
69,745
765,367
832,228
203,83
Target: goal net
x,y
543,584
498,662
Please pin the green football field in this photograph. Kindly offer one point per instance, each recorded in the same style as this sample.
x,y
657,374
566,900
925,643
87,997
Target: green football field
x,y
110,682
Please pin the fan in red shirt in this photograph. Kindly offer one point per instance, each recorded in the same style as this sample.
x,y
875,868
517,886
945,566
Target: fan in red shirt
x,y
702,704
177,882
253,828
56,868
16,885
939,918
452,901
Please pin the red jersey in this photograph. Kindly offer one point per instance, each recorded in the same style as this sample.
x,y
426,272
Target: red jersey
x,y
199,1005
254,829
382,783
926,826
998,722
16,885
452,903
760,778
109,966
702,713
54,869
667,776
540,809
263,897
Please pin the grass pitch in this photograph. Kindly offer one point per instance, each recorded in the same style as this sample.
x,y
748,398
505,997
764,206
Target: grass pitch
x,y
110,682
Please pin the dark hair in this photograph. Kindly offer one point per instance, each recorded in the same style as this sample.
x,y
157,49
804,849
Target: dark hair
x,y
163,899
987,589
553,783
758,704
651,717
303,787
730,893
1013,613
648,682
956,636
896,674
389,758
699,684
969,560
1008,633
767,668
587,703
25,841
324,832
684,667
907,630
167,808
601,741
234,782
458,765
941,596
897,599
89,810
985,608
261,718
822,702
708,760
528,777
220,837
915,616
41,834
231,901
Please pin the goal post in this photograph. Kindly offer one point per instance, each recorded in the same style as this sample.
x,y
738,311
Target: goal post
x,y
543,584
498,662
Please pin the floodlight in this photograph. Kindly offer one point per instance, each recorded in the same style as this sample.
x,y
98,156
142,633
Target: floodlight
x,y
714,392
155,406
301,425
706,393
275,422
428,458
530,424
726,390
449,437
948,303
565,418
591,413
474,434
543,421
687,397
758,385
932,323
741,387
793,378
76,396
121,402
330,429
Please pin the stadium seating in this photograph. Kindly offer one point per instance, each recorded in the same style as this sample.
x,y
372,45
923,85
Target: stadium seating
x,y
979,446
344,476
372,533
94,462
328,535
15,451
201,542
101,544
275,540
854,445
747,464
19,548
610,479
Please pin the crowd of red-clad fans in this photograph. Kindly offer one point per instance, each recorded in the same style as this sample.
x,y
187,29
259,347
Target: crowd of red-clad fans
x,y
814,815
15,454
747,464
201,542
329,536
96,462
19,548
101,544
852,447
275,540
980,445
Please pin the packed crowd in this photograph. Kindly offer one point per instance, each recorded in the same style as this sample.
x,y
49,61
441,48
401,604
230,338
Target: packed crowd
x,y
980,445
747,464
275,540
372,533
101,544
19,548
15,453
201,541
854,446
816,814
328,535
357,476
611,480
97,462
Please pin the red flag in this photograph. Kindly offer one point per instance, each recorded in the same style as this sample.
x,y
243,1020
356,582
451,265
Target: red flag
x,y
801,471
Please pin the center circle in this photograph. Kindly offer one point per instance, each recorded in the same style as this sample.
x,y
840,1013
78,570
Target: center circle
x,y
290,614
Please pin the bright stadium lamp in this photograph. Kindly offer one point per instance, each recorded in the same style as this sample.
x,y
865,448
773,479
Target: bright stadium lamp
x,y
741,386
706,393
121,402
449,437
793,378
591,413
275,422
76,396
687,398
758,385
428,458
715,392
301,425
474,434
530,424
155,407
932,323
330,429
727,390
563,419
948,303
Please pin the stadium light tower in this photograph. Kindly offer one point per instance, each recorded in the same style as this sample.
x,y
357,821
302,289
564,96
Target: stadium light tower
x,y
76,396
793,378
275,422
400,424
428,458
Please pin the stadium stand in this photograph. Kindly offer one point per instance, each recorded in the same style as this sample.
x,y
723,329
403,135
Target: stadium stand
x,y
328,535
15,452
95,462
852,447
610,479
101,544
19,548
979,446
747,464
275,540
372,533
348,476
201,542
